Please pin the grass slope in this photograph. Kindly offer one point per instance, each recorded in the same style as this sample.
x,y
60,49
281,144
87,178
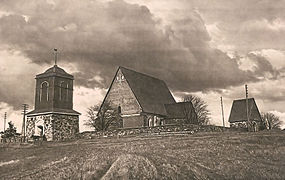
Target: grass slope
x,y
200,156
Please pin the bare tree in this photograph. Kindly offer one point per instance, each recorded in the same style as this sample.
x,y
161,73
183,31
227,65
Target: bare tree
x,y
189,113
200,108
102,118
271,121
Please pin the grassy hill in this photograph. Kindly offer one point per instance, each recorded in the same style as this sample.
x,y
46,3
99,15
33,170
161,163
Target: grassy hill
x,y
228,155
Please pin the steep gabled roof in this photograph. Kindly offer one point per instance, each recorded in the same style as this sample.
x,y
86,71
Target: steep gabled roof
x,y
238,111
150,92
181,110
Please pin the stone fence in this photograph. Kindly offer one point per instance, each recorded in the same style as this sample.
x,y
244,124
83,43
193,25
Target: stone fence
x,y
159,130
14,139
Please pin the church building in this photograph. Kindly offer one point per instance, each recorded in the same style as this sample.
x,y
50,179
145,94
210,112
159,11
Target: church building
x,y
53,116
146,101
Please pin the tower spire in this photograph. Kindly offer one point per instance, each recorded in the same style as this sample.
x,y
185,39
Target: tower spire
x,y
55,56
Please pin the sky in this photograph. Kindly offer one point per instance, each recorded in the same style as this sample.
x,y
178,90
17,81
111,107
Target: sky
x,y
202,47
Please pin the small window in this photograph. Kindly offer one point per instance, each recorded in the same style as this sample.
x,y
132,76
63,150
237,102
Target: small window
x,y
120,77
119,110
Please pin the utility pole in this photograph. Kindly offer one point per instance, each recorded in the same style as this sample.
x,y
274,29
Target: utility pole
x,y
25,108
222,111
5,118
246,98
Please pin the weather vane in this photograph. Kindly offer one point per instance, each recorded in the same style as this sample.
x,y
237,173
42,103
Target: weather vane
x,y
55,56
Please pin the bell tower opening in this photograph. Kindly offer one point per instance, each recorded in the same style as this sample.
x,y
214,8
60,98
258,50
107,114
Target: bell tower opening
x,y
44,91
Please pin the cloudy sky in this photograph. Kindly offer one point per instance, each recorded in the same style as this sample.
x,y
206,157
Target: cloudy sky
x,y
203,47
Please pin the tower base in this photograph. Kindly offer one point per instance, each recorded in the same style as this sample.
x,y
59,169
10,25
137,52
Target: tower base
x,y
52,126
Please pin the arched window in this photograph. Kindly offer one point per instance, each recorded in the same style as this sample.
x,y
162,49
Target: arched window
x,y
63,91
44,91
120,77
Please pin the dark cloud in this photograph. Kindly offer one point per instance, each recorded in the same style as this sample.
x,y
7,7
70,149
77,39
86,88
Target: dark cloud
x,y
16,96
98,37
246,25
16,81
263,66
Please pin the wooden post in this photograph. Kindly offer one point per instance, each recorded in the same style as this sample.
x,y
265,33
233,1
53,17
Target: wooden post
x,y
246,98
5,117
222,111
25,108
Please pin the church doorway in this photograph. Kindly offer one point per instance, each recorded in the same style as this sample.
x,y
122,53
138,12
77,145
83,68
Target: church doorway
x,y
39,131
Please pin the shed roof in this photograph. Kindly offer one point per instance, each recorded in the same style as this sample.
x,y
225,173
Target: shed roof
x,y
238,111
151,93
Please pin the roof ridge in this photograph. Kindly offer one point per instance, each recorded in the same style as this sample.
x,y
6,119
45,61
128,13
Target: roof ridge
x,y
243,99
179,103
141,73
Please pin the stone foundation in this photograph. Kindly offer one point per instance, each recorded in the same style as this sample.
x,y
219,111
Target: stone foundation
x,y
55,126
43,120
254,126
158,130
65,127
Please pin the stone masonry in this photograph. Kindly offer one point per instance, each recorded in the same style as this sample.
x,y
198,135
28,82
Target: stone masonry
x,y
55,126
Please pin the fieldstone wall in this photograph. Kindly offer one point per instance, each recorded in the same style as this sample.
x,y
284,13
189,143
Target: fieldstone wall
x,y
45,120
55,126
158,130
254,126
30,126
48,131
65,127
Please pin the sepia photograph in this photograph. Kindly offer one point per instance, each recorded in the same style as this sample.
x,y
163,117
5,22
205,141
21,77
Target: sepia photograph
x,y
142,89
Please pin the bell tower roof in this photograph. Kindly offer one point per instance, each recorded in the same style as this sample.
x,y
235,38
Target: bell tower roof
x,y
55,71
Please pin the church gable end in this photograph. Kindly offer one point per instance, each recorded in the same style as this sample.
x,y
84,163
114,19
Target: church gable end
x,y
121,96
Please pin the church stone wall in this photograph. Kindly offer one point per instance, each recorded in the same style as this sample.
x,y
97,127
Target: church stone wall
x,y
65,127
